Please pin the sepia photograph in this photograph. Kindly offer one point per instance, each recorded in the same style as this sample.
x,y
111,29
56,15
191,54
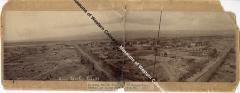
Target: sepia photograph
x,y
170,46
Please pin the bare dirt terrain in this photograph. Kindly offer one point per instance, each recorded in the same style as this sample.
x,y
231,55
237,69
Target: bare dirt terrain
x,y
46,62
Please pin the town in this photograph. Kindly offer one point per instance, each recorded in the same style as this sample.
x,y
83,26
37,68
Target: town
x,y
168,59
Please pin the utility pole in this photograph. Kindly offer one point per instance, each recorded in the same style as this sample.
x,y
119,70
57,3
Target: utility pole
x,y
156,43
124,9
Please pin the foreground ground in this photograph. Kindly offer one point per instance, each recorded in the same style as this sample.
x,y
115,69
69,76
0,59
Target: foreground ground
x,y
202,59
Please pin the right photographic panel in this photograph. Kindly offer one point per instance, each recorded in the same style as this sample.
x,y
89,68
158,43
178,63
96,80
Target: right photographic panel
x,y
196,47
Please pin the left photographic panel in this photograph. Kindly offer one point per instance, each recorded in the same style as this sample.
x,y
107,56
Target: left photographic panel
x,y
61,45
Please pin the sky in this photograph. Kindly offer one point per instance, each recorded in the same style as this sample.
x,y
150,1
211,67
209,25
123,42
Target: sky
x,y
40,26
74,25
